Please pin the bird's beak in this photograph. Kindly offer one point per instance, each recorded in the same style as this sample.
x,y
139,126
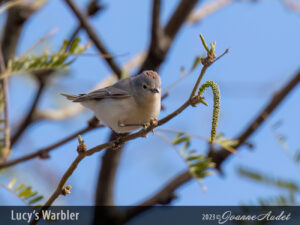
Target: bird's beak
x,y
155,90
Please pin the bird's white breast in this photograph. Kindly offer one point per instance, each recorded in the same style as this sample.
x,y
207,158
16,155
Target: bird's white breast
x,y
113,111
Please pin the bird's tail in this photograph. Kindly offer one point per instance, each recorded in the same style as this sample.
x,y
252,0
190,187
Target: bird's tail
x,y
70,97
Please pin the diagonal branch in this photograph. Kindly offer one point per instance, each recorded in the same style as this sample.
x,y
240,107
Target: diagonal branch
x,y
219,156
121,140
44,152
162,197
92,9
94,37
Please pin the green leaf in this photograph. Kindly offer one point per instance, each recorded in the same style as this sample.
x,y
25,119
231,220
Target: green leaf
x,y
197,61
36,199
11,183
74,45
263,178
26,191
46,61
31,195
19,187
204,44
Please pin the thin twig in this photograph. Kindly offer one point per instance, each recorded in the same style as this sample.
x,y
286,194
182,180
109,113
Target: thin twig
x,y
44,38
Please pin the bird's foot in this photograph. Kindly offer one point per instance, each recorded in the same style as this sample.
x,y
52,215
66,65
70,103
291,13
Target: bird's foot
x,y
116,145
150,125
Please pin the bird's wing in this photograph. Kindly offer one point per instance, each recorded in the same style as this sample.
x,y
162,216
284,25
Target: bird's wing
x,y
108,92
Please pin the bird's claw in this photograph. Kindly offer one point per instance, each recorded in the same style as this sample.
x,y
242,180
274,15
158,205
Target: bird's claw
x,y
116,145
150,125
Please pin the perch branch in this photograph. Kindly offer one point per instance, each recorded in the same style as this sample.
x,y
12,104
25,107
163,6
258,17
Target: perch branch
x,y
121,140
218,156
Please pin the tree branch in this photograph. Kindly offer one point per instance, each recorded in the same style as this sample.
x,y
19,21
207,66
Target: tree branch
x,y
121,140
93,36
44,152
92,9
16,18
110,160
219,156
107,173
139,59
157,53
164,196
5,148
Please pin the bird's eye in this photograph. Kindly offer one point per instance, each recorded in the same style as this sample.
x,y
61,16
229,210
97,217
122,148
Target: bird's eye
x,y
144,86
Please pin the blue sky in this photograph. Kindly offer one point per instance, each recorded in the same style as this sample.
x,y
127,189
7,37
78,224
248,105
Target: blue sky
x,y
264,54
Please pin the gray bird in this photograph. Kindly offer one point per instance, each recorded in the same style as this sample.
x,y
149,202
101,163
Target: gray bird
x,y
127,105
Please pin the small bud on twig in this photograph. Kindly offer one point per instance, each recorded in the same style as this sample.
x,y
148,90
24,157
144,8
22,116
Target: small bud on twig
x,y
81,145
66,190
44,155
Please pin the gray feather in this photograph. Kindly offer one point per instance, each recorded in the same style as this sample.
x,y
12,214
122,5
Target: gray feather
x,y
109,92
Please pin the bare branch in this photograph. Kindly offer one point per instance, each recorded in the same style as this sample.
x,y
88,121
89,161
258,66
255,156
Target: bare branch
x,y
16,18
157,53
44,152
5,148
163,197
156,28
106,180
94,37
92,9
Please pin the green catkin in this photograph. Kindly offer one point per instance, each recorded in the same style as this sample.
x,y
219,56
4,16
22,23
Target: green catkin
x,y
216,110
